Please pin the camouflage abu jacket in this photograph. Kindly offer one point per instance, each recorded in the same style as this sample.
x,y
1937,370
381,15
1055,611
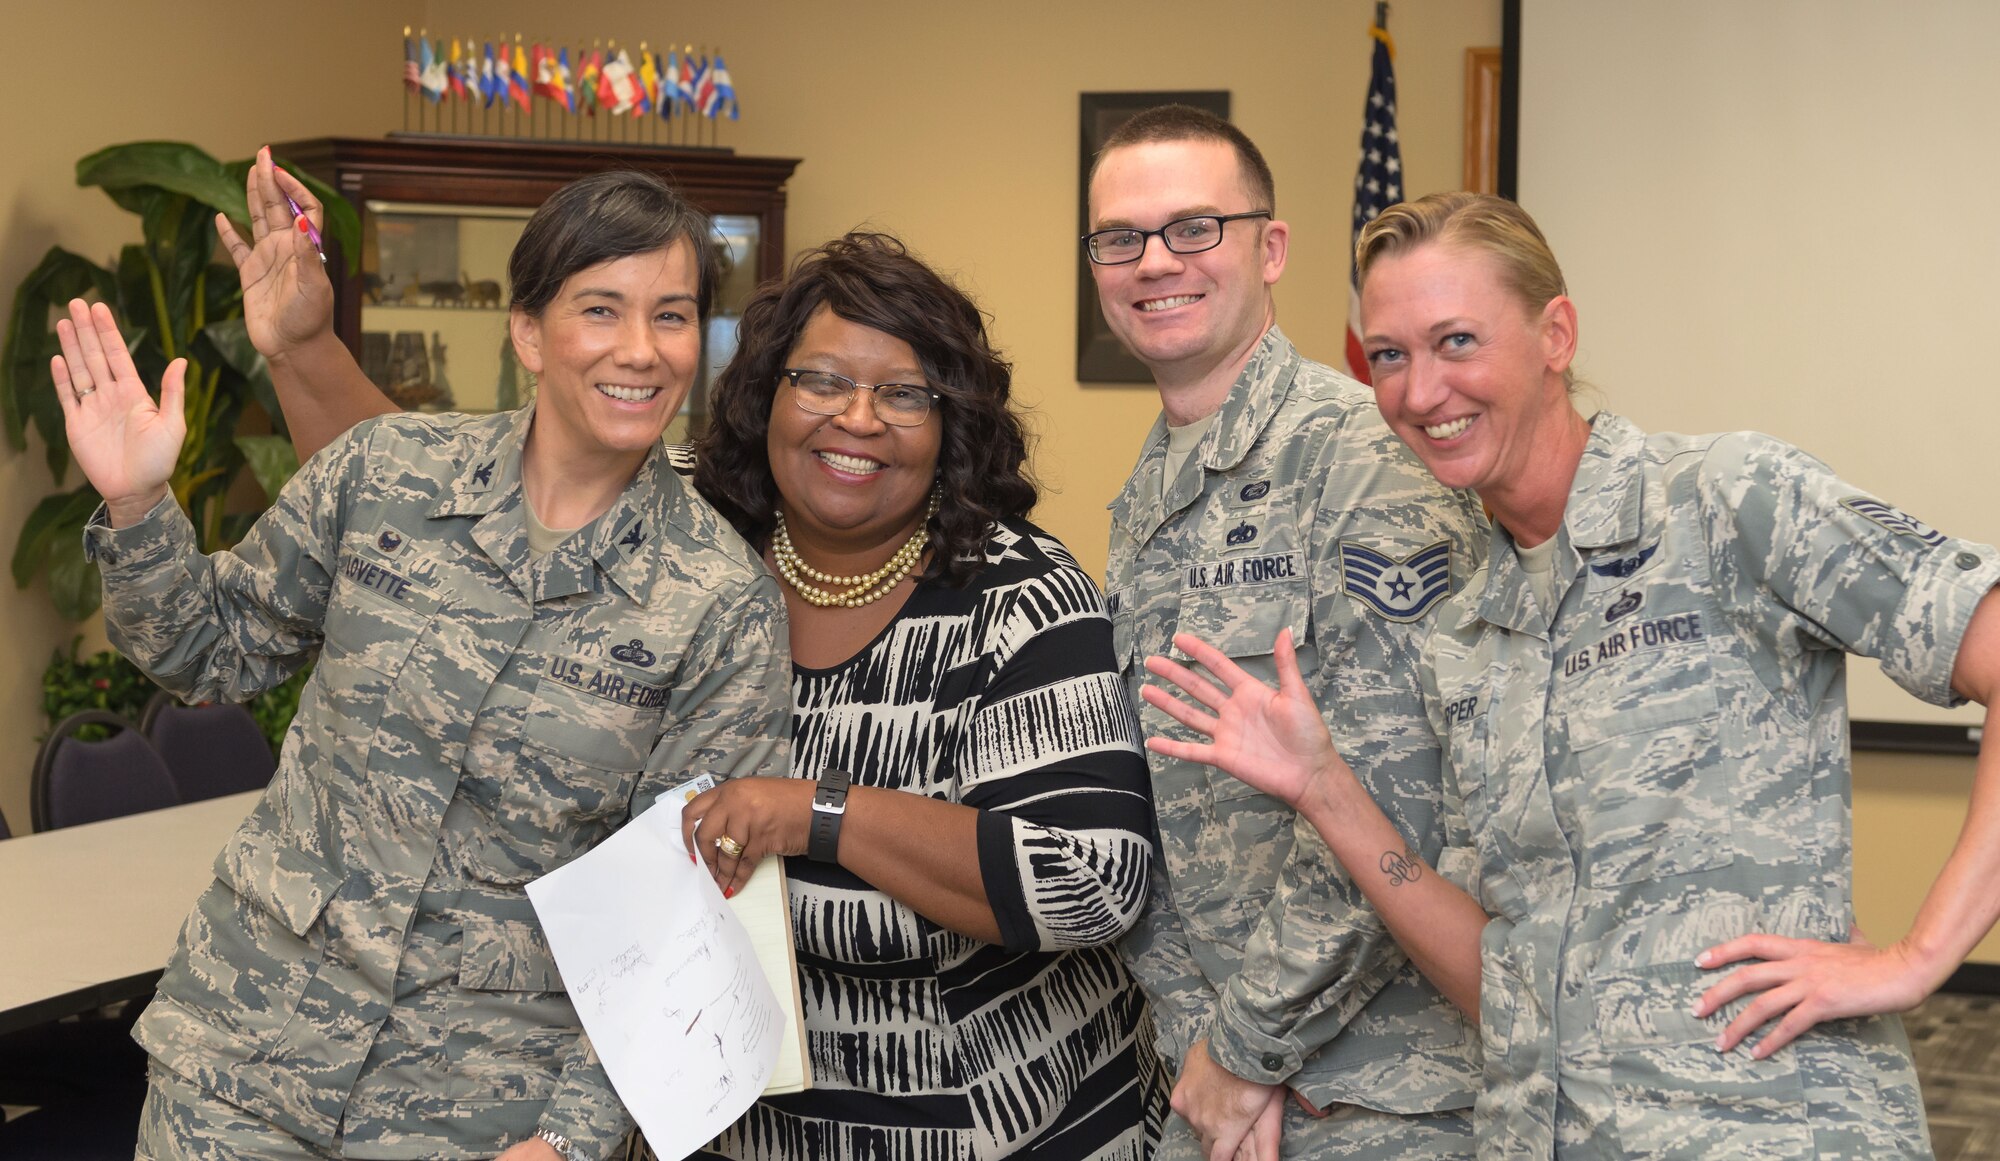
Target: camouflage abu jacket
x,y
1661,763
366,971
1298,509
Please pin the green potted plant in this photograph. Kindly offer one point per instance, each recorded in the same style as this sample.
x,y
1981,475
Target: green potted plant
x,y
172,300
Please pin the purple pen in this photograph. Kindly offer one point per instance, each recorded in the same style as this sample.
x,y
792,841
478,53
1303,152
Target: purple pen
x,y
312,231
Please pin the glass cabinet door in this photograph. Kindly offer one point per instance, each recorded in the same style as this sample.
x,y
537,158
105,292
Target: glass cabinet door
x,y
434,307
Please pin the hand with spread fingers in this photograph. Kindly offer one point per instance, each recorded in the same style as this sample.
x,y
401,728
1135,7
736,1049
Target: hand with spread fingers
x,y
733,826
125,443
1272,739
1803,982
287,297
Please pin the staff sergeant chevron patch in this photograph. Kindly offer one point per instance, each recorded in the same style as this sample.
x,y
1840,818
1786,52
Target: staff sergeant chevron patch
x,y
1398,589
1895,520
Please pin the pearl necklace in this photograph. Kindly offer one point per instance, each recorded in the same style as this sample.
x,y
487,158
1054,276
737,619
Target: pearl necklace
x,y
861,590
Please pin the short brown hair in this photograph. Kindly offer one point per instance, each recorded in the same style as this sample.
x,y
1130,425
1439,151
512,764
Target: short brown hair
x,y
614,214
1163,123
871,279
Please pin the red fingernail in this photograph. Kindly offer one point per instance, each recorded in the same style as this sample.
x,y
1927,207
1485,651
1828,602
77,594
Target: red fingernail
x,y
305,227
692,859
728,891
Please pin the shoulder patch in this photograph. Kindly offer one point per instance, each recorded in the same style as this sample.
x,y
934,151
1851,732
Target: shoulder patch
x,y
1396,588
1895,520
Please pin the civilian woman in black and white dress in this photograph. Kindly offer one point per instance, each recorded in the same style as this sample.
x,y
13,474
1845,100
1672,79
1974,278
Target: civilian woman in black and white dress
x,y
953,684
954,694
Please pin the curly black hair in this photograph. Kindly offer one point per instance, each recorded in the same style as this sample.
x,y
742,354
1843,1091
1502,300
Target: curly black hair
x,y
873,280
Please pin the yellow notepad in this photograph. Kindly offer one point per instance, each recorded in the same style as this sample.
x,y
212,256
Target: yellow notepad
x,y
764,907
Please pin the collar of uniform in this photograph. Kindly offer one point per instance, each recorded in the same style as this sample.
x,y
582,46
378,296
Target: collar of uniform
x,y
1142,493
1508,599
1253,399
621,542
1603,510
489,470
1605,498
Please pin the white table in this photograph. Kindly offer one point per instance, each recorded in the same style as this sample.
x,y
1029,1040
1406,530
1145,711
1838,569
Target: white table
x,y
89,914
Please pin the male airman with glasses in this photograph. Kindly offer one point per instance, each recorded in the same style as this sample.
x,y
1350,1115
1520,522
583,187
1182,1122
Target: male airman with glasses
x,y
1270,495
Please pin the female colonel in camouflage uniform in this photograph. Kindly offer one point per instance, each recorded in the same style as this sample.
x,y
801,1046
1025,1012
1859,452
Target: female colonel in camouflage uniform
x,y
527,627
1642,705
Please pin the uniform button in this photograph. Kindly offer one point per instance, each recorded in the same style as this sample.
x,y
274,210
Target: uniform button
x,y
1273,1062
1968,561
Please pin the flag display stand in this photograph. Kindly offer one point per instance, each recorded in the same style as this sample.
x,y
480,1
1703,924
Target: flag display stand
x,y
467,88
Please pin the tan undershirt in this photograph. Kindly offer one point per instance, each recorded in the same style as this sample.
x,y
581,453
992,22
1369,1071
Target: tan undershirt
x,y
542,539
1539,563
1181,442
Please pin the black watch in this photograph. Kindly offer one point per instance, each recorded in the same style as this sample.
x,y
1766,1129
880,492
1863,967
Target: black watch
x,y
829,810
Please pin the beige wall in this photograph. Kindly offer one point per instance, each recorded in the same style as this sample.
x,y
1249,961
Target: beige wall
x,y
955,126
1732,132
213,73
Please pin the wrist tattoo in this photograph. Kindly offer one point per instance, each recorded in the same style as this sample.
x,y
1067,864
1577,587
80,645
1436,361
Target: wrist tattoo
x,y
1401,867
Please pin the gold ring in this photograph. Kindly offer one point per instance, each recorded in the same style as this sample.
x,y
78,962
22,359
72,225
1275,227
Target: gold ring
x,y
729,846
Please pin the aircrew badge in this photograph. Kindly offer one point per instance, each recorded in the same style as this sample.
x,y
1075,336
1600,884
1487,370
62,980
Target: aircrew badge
x,y
1243,533
1625,566
1899,522
1396,588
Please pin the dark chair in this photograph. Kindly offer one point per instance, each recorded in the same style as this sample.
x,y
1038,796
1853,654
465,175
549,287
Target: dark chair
x,y
77,781
211,750
100,1122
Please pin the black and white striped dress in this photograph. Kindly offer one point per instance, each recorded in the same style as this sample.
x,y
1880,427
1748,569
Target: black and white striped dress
x,y
926,1045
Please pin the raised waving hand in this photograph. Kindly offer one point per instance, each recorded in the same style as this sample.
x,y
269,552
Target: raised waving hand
x,y
1273,739
287,296
125,443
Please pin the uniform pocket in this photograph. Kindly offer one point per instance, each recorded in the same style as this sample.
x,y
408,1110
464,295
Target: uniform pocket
x,y
603,720
375,616
254,940
508,1028
1647,734
1244,624
587,735
506,955
1673,1094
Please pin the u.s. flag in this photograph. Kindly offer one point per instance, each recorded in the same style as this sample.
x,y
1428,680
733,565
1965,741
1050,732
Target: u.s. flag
x,y
1378,178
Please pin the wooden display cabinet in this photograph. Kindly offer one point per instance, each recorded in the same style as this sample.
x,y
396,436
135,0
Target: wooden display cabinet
x,y
425,312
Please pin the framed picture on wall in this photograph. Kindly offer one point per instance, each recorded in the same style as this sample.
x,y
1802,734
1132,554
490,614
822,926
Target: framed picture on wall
x,y
1100,357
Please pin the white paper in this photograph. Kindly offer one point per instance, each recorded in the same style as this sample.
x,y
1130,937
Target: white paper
x,y
665,980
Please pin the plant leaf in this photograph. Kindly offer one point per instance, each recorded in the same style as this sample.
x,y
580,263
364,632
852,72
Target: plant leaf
x,y
74,586
230,342
272,459
174,166
25,389
56,516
